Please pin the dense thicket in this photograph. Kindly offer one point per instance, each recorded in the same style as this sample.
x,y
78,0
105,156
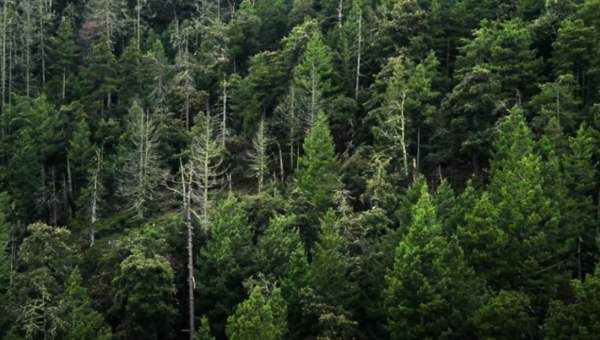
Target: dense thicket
x,y
306,169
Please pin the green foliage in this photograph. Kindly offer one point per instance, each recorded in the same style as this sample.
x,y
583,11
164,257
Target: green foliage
x,y
317,178
144,294
578,319
82,322
260,317
506,315
431,290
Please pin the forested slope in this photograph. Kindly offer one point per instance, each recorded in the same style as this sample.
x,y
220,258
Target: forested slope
x,y
299,169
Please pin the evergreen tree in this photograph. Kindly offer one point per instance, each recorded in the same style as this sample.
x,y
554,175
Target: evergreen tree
x,y
431,290
579,318
143,295
99,79
313,78
82,322
203,332
317,176
506,50
261,317
64,54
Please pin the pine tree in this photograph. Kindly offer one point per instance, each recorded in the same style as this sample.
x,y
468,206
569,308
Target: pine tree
x,y
505,49
139,276
261,317
313,78
63,54
518,218
99,78
105,19
82,322
203,332
317,178
431,290
141,169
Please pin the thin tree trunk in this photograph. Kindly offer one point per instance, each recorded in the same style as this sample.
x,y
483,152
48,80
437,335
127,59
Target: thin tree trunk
x,y
292,125
69,177
187,201
54,198
64,83
224,125
403,135
4,28
358,56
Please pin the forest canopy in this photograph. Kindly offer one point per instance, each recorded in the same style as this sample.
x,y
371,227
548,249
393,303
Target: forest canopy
x,y
299,169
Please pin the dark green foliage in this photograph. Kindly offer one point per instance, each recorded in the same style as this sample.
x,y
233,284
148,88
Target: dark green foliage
x,y
142,127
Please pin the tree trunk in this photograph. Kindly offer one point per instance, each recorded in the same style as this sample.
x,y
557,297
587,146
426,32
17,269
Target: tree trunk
x,y
4,24
358,56
187,202
403,135
224,125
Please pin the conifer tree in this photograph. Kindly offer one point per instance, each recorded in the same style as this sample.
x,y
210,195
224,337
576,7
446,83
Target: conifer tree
x,y
313,78
105,19
431,290
139,276
261,317
317,178
63,53
203,332
5,267
99,78
82,321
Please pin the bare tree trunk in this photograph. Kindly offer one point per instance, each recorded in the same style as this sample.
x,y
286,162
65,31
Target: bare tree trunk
x,y
292,125
403,135
64,83
138,10
69,178
358,56
281,163
187,202
4,28
340,13
94,203
54,198
224,125
42,44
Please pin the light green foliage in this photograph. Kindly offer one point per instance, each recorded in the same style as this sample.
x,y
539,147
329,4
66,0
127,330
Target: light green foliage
x,y
430,289
261,317
203,332
35,295
143,294
227,259
557,100
317,178
514,230
578,319
506,315
276,246
82,322
505,49
313,78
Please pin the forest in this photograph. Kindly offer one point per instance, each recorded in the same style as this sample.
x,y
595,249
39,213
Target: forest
x,y
299,169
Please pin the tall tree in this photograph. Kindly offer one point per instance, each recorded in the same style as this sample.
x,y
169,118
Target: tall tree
x,y
259,156
431,291
64,54
317,178
141,165
82,322
261,316
313,78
